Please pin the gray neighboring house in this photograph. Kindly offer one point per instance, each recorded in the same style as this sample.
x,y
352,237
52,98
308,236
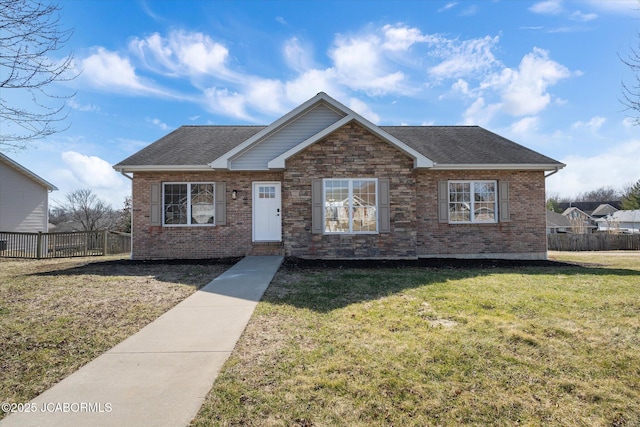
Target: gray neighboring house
x,y
558,223
626,222
24,198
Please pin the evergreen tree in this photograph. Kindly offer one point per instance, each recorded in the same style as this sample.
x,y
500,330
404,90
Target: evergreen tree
x,y
631,199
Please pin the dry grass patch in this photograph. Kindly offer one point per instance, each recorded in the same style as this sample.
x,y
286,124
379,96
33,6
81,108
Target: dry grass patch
x,y
57,315
416,346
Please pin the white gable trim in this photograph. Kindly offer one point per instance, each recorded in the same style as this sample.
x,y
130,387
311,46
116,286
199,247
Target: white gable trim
x,y
17,166
223,162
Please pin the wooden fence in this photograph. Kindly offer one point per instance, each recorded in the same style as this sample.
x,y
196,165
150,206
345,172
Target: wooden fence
x,y
63,245
593,242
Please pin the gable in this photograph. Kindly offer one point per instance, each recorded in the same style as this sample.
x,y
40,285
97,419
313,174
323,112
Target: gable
x,y
283,139
260,148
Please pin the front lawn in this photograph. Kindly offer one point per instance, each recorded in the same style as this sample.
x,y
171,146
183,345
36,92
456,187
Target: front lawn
x,y
553,345
58,314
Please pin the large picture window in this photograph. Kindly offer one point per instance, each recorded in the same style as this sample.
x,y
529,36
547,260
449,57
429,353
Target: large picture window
x,y
473,202
188,203
350,206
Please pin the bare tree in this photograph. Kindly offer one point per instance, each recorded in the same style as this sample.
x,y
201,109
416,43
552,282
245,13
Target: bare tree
x,y
30,36
602,194
86,208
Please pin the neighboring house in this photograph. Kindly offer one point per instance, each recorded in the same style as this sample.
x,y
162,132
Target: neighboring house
x,y
323,182
604,209
593,209
24,198
581,222
627,222
558,223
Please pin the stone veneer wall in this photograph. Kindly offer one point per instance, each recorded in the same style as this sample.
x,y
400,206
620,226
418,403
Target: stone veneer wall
x,y
196,242
523,237
350,152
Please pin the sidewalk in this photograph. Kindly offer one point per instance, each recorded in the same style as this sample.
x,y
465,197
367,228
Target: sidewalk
x,y
161,375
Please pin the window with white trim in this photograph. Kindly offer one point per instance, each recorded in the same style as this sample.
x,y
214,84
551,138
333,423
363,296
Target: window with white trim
x,y
188,203
473,201
350,205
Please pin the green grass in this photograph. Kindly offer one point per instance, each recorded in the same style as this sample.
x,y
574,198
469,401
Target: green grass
x,y
57,315
525,346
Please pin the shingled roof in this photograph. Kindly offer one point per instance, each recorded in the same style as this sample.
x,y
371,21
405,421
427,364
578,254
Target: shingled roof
x,y
197,146
437,147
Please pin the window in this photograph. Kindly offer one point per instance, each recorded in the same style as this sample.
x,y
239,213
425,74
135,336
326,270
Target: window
x,y
473,201
350,206
188,203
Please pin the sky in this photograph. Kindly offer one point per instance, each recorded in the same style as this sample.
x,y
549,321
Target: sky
x,y
545,74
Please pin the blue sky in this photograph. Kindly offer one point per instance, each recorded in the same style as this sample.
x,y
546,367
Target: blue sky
x,y
546,74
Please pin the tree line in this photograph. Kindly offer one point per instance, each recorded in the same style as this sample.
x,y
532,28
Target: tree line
x,y
628,195
83,210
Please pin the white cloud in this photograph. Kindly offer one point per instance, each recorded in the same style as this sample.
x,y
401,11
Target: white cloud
x,y
524,91
309,83
91,172
159,123
400,37
583,17
297,55
547,7
182,53
76,105
448,6
228,103
525,126
592,125
464,58
479,113
613,168
363,109
105,69
359,65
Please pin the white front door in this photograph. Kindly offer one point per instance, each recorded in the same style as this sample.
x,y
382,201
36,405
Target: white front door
x,y
267,215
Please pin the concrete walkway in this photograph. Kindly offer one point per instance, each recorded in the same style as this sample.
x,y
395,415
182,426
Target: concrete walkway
x,y
161,375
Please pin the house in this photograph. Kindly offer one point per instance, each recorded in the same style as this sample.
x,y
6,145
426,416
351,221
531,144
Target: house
x,y
322,182
626,222
558,223
592,209
24,198
581,222
605,209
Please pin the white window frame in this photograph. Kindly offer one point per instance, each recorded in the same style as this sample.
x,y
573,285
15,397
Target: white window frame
x,y
189,213
472,202
350,207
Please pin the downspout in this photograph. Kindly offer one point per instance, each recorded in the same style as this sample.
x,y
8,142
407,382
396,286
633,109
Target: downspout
x,y
546,176
123,173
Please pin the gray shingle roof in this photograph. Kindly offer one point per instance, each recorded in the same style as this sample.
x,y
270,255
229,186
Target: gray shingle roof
x,y
449,145
454,145
191,145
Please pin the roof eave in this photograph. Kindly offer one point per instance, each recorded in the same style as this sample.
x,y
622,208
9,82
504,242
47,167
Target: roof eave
x,y
499,166
17,166
161,168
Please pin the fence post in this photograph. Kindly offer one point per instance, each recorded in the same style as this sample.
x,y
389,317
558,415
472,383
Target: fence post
x,y
105,246
39,245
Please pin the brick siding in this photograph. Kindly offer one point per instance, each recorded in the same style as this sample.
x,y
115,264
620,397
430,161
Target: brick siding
x,y
350,152
197,242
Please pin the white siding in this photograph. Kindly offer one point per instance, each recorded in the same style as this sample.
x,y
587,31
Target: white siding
x,y
281,141
23,202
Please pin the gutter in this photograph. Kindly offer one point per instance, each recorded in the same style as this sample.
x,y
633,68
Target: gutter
x,y
552,173
123,173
